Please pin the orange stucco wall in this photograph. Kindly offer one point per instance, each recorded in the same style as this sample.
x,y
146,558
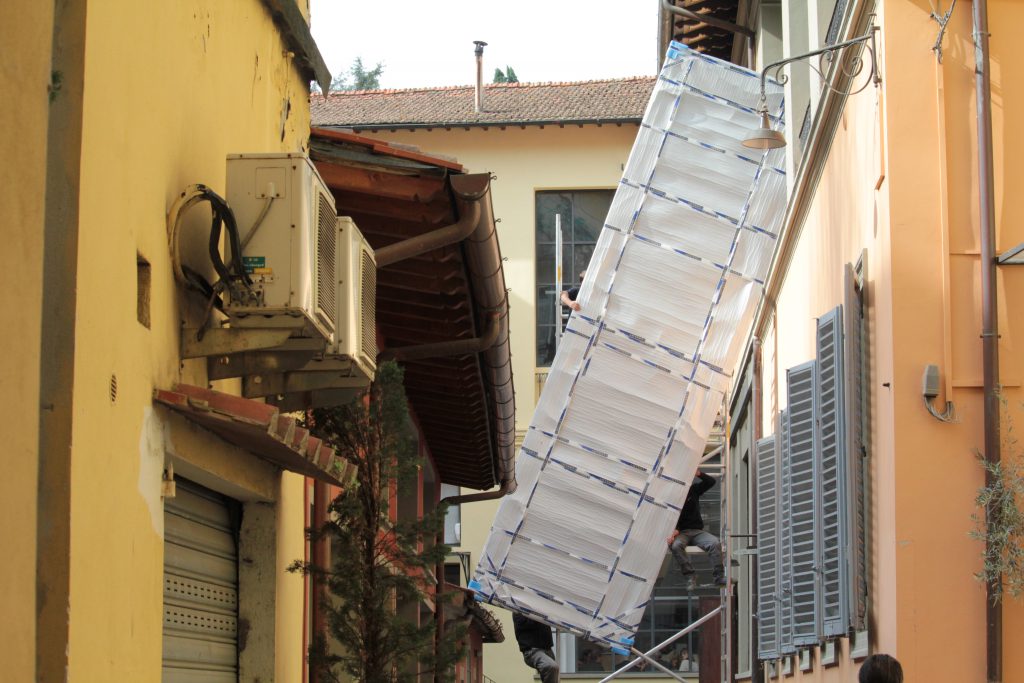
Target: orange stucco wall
x,y
901,185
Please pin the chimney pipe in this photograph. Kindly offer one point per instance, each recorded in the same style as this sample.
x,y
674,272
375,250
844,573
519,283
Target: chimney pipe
x,y
478,101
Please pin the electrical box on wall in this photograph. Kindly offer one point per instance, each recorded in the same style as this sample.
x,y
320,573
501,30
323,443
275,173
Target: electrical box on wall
x,y
288,223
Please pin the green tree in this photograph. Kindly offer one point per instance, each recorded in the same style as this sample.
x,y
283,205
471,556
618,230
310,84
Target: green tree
x,y
358,77
999,519
377,564
506,76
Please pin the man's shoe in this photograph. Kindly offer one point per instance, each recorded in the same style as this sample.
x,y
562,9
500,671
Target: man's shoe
x,y
720,581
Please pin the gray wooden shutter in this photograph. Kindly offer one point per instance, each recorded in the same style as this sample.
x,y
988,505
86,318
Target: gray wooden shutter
x,y
200,641
768,599
804,515
834,466
786,645
857,419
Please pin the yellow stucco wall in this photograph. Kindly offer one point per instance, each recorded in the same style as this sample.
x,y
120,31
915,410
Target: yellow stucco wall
x,y
914,140
26,33
524,161
170,91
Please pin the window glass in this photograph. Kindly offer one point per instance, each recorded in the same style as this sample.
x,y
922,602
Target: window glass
x,y
452,516
583,213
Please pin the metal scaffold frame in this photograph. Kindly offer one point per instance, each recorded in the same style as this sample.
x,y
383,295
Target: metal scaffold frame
x,y
724,610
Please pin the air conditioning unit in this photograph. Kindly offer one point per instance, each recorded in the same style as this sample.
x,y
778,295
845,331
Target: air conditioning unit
x,y
355,336
283,206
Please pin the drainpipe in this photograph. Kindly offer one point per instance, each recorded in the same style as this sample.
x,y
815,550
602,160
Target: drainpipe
x,y
435,239
321,557
456,347
756,391
478,100
989,319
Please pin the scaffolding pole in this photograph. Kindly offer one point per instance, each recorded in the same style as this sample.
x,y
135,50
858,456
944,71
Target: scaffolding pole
x,y
660,646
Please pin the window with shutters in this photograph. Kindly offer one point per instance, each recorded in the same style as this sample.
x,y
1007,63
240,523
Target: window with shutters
x,y
857,365
801,462
833,461
768,598
786,645
811,511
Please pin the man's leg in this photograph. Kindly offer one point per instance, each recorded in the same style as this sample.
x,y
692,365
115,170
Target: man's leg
x,y
544,662
678,548
710,544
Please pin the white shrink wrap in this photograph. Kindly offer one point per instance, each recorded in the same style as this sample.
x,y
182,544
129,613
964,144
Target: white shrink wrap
x,y
642,368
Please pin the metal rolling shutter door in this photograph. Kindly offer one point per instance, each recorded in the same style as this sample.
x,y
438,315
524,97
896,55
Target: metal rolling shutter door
x,y
200,587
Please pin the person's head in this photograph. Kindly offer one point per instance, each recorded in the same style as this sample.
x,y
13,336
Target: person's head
x,y
880,669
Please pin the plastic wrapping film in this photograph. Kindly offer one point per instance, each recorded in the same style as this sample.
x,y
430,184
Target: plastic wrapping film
x,y
642,368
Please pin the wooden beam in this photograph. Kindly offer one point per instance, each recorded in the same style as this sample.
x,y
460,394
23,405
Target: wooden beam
x,y
295,31
379,184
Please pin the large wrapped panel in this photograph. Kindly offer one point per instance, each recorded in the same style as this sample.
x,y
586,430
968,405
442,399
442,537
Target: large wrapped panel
x,y
642,368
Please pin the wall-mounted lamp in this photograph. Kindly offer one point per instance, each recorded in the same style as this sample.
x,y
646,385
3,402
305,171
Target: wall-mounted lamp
x,y
767,138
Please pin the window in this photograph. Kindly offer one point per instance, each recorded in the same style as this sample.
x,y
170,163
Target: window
x,y
811,526
452,516
582,215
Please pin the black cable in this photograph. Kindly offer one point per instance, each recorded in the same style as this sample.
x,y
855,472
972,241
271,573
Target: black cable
x,y
223,215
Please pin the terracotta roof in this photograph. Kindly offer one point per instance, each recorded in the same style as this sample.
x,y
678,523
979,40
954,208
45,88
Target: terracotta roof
x,y
259,428
618,100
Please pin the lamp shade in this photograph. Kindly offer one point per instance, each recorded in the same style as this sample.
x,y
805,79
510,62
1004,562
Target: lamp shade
x,y
764,137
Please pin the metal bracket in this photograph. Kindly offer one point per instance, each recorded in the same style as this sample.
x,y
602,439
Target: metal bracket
x,y
221,341
1007,258
258,363
255,386
323,398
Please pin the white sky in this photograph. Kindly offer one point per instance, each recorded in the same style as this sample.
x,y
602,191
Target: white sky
x,y
430,42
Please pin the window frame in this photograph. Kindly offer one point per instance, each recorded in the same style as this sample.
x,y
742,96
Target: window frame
x,y
544,328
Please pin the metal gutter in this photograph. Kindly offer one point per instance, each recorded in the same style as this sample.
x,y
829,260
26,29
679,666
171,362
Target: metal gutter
x,y
989,316
487,278
396,126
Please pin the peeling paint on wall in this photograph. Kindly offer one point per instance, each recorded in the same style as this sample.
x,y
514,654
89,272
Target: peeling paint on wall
x,y
151,467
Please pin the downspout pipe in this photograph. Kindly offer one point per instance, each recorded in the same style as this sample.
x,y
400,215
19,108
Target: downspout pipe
x,y
456,347
435,239
756,393
989,318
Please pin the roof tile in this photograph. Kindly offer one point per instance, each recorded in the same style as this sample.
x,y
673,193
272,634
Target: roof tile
x,y
611,101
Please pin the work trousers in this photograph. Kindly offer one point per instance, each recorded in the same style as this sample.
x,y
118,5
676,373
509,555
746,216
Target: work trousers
x,y
705,541
543,660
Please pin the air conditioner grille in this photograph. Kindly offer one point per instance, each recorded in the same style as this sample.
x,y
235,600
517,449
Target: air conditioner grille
x,y
369,307
326,291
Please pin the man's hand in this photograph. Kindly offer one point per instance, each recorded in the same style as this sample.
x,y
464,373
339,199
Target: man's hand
x,y
675,533
574,305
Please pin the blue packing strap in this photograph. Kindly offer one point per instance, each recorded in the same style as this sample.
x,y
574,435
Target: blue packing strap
x,y
475,586
628,642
